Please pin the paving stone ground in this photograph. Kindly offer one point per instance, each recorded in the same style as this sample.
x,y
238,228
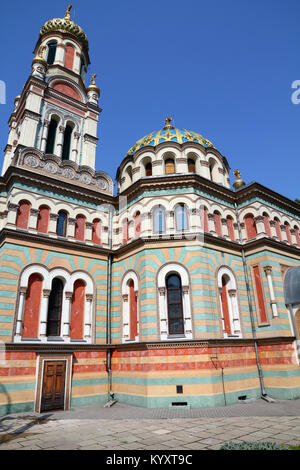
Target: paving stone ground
x,y
124,427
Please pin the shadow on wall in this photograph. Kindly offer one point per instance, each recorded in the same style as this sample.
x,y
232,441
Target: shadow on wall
x,y
6,408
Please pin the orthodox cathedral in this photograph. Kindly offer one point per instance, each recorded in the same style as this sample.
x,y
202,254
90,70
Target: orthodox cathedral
x,y
168,294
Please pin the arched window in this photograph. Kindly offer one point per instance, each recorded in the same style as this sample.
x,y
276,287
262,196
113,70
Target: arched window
x,y
61,227
169,166
55,308
96,231
288,233
225,304
260,299
23,214
77,310
32,307
181,218
148,169
212,169
125,231
67,142
129,173
132,311
51,52
69,57
204,219
159,220
278,229
218,224
250,226
267,224
228,301
80,228
137,225
230,227
297,235
191,165
43,219
82,68
174,301
51,136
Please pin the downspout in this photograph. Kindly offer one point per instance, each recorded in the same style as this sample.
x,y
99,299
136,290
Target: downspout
x,y
108,323
260,374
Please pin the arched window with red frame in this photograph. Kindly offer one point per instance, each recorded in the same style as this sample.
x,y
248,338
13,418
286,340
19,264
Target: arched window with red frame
x,y
267,224
278,228
23,214
204,219
69,57
125,231
137,224
43,219
80,228
218,224
230,227
77,310
32,306
250,226
96,231
288,233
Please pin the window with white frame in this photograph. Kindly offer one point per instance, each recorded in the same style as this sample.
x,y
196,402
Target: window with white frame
x,y
54,305
130,307
175,315
228,301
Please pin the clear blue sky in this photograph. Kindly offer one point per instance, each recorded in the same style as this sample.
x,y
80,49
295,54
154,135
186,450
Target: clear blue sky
x,y
223,68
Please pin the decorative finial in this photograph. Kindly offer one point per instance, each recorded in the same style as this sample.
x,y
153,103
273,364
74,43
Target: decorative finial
x,y
93,78
67,15
238,180
168,124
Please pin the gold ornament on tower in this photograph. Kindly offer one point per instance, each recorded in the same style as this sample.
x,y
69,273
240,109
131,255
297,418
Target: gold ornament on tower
x,y
67,15
168,124
93,86
238,180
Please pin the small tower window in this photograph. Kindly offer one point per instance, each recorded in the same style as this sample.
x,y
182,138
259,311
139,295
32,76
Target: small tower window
x,y
170,166
67,142
159,220
174,300
51,52
148,169
191,165
51,136
55,308
181,218
69,57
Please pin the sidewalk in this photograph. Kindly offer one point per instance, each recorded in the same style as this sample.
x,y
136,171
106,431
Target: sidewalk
x,y
133,428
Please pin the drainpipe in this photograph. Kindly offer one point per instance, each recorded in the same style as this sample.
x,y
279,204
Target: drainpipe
x,y
260,374
108,306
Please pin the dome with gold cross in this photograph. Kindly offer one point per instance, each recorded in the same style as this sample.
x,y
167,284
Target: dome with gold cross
x,y
169,134
65,24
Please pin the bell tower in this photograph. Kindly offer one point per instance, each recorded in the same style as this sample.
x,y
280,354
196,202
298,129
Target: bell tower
x,y
56,114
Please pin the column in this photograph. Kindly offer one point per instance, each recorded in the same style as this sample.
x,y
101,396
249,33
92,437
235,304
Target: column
x,y
170,221
52,224
12,213
260,226
236,232
163,313
205,169
273,229
125,317
44,313
283,233
33,219
268,270
89,232
60,141
225,229
293,235
243,230
76,137
234,309
187,317
22,296
88,317
44,135
211,224
71,228
66,314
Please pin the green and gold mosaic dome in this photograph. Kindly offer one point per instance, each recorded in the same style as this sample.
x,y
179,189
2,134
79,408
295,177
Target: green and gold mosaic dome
x,y
65,24
169,134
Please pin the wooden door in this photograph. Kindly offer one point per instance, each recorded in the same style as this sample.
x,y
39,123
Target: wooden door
x,y
53,393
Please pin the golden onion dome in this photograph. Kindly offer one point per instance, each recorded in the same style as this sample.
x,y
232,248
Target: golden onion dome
x,y
93,86
65,24
238,183
170,134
